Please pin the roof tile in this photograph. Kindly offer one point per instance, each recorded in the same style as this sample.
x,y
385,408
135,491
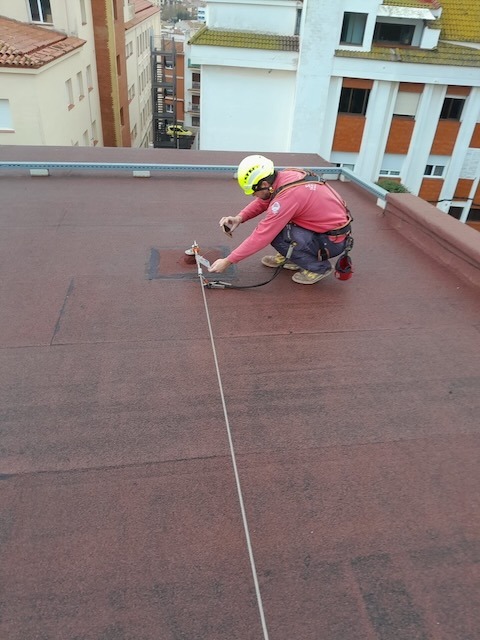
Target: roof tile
x,y
445,54
245,40
460,19
31,46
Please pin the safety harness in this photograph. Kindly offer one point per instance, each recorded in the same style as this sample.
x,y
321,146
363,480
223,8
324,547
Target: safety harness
x,y
343,267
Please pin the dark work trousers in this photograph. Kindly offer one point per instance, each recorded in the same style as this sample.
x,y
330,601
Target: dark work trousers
x,y
308,244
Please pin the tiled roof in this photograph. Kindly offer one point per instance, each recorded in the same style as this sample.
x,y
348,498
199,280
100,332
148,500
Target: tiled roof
x,y
143,10
445,53
244,40
31,46
459,21
422,4
141,5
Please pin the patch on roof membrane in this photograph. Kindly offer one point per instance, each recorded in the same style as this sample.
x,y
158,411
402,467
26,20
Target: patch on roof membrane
x,y
170,264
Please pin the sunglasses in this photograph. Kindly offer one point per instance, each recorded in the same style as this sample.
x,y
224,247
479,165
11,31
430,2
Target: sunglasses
x,y
257,187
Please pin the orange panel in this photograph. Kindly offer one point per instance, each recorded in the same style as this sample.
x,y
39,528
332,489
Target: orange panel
x,y
463,188
475,141
348,132
445,137
400,135
430,189
411,87
458,91
357,83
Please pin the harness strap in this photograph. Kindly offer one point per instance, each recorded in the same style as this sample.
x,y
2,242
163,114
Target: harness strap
x,y
310,177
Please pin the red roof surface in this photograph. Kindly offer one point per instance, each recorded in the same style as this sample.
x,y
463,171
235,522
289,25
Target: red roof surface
x,y
31,46
352,406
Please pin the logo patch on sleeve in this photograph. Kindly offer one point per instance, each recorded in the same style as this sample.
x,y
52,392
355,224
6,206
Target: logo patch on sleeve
x,y
276,207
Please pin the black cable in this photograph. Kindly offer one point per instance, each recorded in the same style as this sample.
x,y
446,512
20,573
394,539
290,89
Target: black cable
x,y
219,284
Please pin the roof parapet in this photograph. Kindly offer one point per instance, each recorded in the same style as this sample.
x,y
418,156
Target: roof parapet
x,y
440,236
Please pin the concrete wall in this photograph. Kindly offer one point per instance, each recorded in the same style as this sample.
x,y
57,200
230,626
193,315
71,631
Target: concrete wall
x,y
267,16
252,110
440,236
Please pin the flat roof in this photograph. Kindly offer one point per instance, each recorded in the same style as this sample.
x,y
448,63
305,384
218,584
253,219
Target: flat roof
x,y
180,462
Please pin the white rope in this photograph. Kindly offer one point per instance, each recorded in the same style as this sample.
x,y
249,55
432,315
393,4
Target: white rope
x,y
234,463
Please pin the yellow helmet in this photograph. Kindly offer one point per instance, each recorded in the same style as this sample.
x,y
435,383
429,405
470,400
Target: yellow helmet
x,y
252,170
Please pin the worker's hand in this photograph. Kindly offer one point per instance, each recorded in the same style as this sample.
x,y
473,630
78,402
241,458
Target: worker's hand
x,y
219,265
231,221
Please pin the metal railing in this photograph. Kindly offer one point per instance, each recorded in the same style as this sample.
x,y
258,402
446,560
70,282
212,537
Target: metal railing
x,y
46,167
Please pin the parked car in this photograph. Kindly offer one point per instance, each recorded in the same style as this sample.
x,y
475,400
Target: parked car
x,y
178,130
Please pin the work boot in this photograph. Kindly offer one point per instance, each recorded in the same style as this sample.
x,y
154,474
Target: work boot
x,y
310,277
277,260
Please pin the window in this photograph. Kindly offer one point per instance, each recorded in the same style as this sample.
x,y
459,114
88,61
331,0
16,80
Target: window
x,y
406,104
353,28
40,10
89,78
298,22
389,172
452,108
195,122
474,215
393,33
81,90
169,108
354,100
83,13
129,49
6,123
69,88
455,212
435,170
131,92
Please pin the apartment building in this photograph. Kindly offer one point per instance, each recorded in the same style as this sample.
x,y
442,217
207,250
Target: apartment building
x,y
123,35
176,87
49,93
388,89
76,73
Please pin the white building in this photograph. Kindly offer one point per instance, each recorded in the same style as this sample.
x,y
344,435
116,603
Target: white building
x,y
387,88
140,31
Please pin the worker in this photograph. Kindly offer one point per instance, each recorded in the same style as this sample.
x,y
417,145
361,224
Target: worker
x,y
303,214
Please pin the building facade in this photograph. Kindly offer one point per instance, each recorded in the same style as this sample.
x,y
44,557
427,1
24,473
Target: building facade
x,y
76,73
390,89
49,93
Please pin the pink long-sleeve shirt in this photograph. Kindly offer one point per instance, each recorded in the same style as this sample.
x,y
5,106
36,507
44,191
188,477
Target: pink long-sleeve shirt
x,y
313,206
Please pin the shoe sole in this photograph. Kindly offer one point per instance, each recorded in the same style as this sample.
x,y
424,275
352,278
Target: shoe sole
x,y
321,277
